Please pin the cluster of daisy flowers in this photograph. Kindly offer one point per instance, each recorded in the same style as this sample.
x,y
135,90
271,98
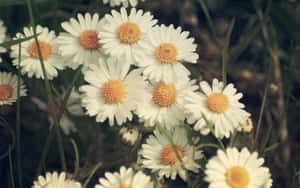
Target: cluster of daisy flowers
x,y
135,67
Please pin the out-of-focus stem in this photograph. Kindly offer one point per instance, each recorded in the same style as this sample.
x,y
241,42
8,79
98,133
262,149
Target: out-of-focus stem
x,y
48,89
18,124
283,131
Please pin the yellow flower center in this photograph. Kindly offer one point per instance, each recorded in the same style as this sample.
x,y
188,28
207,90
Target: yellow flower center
x,y
164,95
166,53
238,177
125,186
217,102
6,91
129,32
113,91
89,39
168,155
46,50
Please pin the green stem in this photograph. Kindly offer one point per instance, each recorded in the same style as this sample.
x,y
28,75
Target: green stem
x,y
49,92
261,113
92,174
207,145
76,163
270,50
224,62
60,113
213,131
225,52
11,169
232,138
162,130
210,22
11,146
18,124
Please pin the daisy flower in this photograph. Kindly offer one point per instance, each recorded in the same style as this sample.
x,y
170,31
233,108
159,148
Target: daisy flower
x,y
73,106
9,87
55,180
159,156
2,37
30,62
220,106
127,178
234,169
80,42
163,52
124,3
129,136
112,93
122,32
164,103
247,126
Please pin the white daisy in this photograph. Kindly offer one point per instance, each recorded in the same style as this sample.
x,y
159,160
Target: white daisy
x,y
112,92
159,156
30,62
163,52
247,126
124,3
122,32
127,178
73,107
2,37
55,180
219,105
80,42
9,87
129,136
234,169
164,103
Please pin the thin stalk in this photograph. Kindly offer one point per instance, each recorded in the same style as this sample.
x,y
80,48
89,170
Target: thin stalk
x,y
49,92
18,125
11,146
54,10
60,113
189,183
210,22
224,64
76,163
261,113
11,169
225,52
92,174
232,139
213,131
207,145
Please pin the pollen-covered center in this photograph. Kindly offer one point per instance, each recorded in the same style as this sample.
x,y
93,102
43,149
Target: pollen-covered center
x,y
129,32
238,177
89,39
125,186
46,50
6,91
113,91
166,53
168,155
164,95
217,102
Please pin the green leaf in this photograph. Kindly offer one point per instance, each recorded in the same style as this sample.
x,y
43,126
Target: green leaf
x,y
272,147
